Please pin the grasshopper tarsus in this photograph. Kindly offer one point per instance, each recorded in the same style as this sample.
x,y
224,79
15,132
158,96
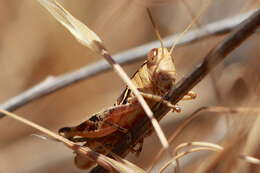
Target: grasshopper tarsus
x,y
190,96
137,149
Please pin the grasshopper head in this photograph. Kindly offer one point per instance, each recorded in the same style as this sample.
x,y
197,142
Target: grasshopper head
x,y
161,68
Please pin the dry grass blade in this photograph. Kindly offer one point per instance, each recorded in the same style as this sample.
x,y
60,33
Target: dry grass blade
x,y
106,162
80,31
184,153
196,114
250,159
202,146
124,166
184,145
129,164
88,38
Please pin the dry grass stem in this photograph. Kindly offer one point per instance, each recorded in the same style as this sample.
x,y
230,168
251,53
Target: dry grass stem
x,y
184,153
202,146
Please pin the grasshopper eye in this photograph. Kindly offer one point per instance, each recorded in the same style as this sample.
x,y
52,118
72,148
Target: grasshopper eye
x,y
152,54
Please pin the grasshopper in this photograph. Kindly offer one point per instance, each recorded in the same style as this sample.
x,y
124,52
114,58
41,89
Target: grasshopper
x,y
155,77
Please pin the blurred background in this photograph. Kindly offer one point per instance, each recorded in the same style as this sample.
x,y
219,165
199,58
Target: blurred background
x,y
34,46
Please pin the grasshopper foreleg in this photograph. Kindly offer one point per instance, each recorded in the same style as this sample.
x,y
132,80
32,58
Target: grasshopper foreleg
x,y
190,96
160,99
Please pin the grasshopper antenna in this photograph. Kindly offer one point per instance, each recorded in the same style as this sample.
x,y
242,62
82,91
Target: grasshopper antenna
x,y
155,26
194,21
191,12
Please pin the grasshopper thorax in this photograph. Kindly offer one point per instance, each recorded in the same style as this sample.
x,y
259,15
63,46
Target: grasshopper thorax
x,y
161,69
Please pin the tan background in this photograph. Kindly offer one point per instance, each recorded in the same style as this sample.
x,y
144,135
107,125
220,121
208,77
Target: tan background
x,y
34,46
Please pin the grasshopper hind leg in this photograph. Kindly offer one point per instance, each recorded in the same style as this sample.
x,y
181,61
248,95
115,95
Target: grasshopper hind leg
x,y
117,126
137,149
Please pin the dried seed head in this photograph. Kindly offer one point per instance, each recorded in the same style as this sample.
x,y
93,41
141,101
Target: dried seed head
x,y
79,30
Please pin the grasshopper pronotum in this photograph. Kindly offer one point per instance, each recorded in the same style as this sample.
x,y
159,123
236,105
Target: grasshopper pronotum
x,y
153,79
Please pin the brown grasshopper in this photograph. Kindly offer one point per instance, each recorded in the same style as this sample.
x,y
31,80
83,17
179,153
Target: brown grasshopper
x,y
155,77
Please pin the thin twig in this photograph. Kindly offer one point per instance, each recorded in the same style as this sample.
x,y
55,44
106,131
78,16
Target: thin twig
x,y
214,57
52,84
